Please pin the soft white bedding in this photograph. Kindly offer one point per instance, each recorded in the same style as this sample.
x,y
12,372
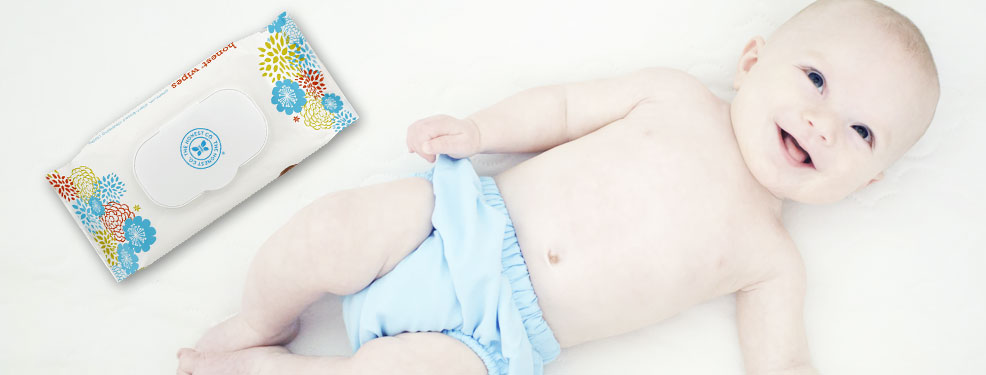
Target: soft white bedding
x,y
895,282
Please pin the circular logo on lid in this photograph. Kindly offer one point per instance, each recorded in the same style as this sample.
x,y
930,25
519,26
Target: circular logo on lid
x,y
200,148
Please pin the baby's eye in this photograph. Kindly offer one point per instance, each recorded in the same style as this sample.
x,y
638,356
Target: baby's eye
x,y
817,79
864,132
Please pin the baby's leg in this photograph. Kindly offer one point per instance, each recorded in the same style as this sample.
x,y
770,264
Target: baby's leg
x,y
338,244
407,353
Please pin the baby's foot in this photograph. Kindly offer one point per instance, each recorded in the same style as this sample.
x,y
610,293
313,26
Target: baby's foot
x,y
250,361
236,334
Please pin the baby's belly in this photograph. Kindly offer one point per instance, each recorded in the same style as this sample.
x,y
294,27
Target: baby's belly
x,y
611,249
595,281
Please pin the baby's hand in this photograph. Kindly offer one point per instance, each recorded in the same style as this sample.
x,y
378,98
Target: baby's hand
x,y
442,134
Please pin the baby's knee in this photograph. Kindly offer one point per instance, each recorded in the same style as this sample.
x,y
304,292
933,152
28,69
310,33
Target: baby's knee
x,y
349,238
383,355
331,248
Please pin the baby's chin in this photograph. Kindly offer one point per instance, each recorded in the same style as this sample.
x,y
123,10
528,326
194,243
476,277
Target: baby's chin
x,y
789,186
816,200
808,194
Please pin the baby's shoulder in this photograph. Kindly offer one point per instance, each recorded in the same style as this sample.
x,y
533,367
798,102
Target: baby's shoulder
x,y
665,84
779,257
675,98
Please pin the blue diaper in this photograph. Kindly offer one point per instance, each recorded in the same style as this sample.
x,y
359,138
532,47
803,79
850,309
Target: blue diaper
x,y
467,280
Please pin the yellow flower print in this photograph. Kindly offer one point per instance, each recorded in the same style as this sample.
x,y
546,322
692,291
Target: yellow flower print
x,y
85,182
316,117
107,243
277,58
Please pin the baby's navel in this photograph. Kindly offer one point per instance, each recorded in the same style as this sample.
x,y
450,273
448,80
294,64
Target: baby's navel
x,y
553,257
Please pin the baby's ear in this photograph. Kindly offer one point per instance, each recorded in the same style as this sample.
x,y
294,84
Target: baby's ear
x,y
751,52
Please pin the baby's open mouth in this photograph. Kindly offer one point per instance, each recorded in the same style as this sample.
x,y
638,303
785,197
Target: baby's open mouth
x,y
794,150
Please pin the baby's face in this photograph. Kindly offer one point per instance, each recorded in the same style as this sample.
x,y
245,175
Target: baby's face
x,y
826,105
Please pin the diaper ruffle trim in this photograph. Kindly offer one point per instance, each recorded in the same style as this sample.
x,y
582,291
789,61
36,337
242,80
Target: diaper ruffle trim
x,y
515,269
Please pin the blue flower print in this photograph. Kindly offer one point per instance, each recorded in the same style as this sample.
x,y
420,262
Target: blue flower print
x,y
127,257
275,27
200,148
96,206
293,32
139,234
305,59
118,273
288,96
332,103
111,189
88,218
343,120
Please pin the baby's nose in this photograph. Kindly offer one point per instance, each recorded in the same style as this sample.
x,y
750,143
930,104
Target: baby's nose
x,y
824,138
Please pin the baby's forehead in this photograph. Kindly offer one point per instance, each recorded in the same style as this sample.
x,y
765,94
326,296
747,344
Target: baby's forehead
x,y
868,55
844,32
859,27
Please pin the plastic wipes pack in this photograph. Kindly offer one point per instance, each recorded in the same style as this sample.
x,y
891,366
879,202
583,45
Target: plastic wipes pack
x,y
215,135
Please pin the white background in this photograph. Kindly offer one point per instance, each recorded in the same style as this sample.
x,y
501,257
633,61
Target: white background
x,y
896,282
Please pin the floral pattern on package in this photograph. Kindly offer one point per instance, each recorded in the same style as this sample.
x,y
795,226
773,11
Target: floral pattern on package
x,y
289,62
111,223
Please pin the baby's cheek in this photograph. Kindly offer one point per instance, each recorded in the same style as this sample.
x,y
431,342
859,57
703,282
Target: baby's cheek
x,y
838,186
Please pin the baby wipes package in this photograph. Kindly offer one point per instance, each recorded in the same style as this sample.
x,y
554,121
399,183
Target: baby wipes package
x,y
216,134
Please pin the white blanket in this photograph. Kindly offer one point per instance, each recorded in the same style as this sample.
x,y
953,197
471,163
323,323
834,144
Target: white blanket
x,y
895,283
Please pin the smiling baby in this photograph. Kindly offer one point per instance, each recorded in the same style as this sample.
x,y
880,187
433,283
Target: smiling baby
x,y
652,195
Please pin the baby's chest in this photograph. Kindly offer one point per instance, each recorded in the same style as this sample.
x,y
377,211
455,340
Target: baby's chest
x,y
660,201
655,186
674,229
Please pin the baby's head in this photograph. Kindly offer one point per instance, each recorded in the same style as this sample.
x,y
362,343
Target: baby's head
x,y
833,98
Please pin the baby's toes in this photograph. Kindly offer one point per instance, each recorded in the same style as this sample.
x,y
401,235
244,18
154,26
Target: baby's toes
x,y
235,334
187,359
230,335
241,362
197,363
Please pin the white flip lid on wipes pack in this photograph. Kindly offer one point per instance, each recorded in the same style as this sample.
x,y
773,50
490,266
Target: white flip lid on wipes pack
x,y
198,134
194,150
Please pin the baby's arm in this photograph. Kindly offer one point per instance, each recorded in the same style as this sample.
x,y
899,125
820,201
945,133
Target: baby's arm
x,y
770,318
540,118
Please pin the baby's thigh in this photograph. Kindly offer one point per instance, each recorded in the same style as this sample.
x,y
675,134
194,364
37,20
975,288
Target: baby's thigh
x,y
356,236
416,353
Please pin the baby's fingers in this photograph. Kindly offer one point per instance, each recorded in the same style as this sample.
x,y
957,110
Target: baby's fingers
x,y
454,145
416,137
422,154
439,134
416,145
421,131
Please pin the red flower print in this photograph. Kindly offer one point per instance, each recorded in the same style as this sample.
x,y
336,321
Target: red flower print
x,y
115,214
312,81
63,185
